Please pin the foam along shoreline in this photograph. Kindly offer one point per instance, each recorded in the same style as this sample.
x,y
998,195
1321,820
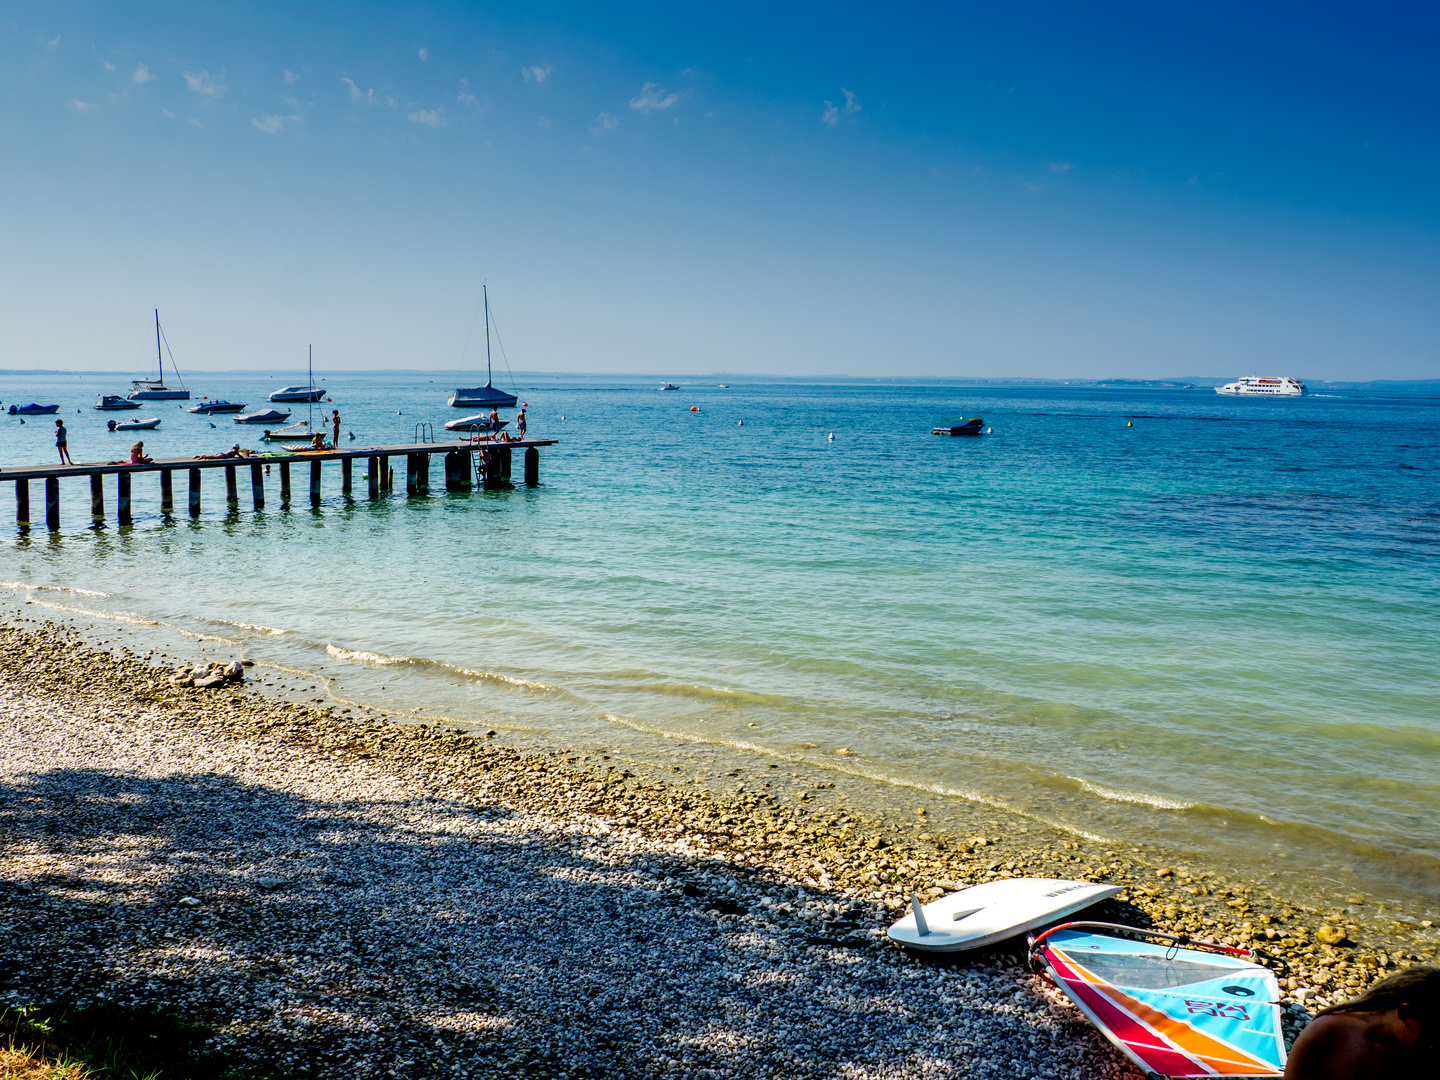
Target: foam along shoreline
x,y
315,881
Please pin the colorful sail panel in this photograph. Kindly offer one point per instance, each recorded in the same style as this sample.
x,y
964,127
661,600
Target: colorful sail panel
x,y
1175,1012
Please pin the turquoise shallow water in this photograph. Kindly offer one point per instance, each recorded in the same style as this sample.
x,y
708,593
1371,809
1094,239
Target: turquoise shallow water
x,y
1215,629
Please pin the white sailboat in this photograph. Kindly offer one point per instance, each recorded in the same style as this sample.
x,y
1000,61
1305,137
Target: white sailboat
x,y
155,389
299,431
487,396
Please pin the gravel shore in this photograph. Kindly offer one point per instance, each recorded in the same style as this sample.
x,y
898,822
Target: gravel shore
x,y
358,897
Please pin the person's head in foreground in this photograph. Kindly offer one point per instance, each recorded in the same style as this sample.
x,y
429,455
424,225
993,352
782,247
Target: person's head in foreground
x,y
1392,1030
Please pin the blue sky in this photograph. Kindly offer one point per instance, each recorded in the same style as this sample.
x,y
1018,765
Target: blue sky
x,y
1043,190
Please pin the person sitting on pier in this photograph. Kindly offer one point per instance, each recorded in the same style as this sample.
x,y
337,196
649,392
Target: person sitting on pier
x,y
317,441
137,454
1387,1033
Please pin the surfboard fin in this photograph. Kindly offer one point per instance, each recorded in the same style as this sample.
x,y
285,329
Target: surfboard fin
x,y
921,926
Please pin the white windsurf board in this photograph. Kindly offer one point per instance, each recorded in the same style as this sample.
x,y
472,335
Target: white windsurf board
x,y
984,914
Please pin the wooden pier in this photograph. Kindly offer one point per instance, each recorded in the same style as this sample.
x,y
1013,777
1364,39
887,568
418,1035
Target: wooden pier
x,y
462,472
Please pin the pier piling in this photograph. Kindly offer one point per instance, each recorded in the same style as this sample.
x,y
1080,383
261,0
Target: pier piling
x,y
194,493
387,478
347,473
372,476
423,474
257,485
284,483
314,483
52,503
22,504
122,499
532,466
232,489
167,492
97,499
412,485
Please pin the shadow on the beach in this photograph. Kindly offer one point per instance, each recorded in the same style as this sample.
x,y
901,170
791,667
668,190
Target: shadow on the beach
x,y
426,937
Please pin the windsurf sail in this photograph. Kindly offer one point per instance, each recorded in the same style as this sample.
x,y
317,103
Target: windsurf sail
x,y
1175,1012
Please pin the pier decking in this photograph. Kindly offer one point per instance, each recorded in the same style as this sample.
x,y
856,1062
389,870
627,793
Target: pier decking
x,y
461,473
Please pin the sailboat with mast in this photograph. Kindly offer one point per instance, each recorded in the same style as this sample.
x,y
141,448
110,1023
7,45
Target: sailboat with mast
x,y
487,396
155,389
299,431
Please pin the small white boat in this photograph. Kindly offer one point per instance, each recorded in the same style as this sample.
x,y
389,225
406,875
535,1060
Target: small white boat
x,y
669,386
294,433
138,425
723,385
264,416
1269,386
472,423
984,914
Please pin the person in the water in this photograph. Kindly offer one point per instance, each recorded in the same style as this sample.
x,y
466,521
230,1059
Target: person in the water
x,y
1387,1033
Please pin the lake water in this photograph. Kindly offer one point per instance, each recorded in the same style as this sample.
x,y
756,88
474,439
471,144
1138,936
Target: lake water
x,y
1215,630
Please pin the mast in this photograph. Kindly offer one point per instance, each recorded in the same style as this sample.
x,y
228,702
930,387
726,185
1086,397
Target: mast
x,y
488,376
310,391
159,361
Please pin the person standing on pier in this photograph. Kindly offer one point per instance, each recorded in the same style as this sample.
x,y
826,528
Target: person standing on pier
x,y
335,420
520,423
61,443
494,422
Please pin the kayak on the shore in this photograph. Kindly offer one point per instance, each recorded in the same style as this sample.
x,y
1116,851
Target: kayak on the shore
x,y
984,914
1175,1012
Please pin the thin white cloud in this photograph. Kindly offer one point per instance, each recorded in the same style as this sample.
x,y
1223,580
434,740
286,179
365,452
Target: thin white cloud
x,y
143,75
168,114
434,118
1061,166
424,54
82,106
544,121
366,97
273,125
294,103
603,123
289,78
651,98
205,84
467,98
108,65
833,112
538,72
53,42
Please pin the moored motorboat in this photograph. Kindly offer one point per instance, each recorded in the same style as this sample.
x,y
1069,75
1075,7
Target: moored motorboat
x,y
298,393
264,416
220,405
975,426
472,423
137,425
106,402
32,409
669,386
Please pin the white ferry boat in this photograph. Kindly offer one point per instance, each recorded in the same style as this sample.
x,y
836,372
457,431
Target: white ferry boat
x,y
1282,386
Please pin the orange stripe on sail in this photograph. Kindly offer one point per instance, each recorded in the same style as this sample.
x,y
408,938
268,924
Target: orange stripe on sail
x,y
1215,1054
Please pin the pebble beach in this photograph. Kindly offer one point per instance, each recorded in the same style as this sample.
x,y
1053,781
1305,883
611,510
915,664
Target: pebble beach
x,y
346,896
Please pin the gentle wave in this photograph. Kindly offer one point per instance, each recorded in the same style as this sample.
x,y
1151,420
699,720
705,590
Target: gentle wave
x,y
253,626
385,660
27,587
712,693
859,773
112,616
1139,798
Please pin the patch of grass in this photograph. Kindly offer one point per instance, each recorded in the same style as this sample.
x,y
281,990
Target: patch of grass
x,y
108,1042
